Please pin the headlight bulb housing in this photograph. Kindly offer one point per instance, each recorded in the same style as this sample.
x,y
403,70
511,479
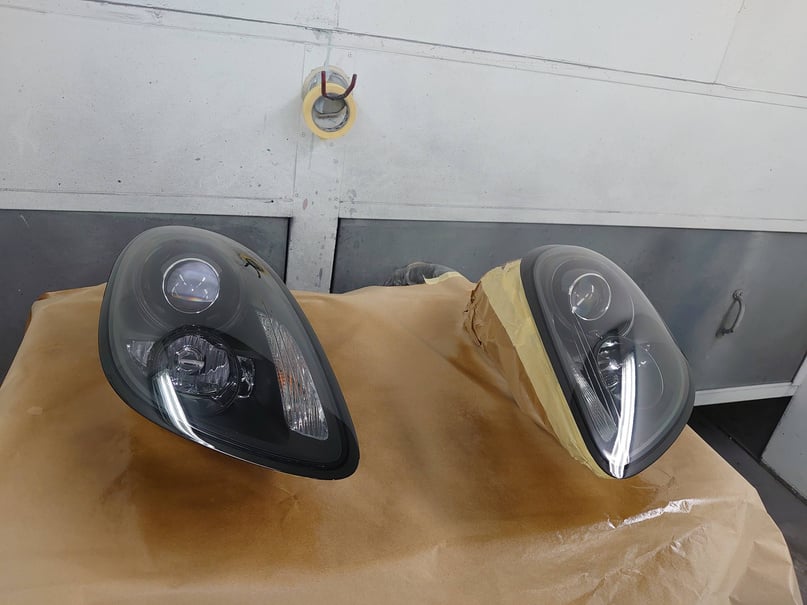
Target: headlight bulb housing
x,y
588,356
200,336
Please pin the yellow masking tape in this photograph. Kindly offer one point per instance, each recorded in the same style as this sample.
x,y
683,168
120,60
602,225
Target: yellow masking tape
x,y
312,96
505,293
441,278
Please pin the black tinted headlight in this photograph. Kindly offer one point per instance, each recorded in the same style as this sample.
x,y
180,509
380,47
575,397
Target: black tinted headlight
x,y
625,380
200,336
585,355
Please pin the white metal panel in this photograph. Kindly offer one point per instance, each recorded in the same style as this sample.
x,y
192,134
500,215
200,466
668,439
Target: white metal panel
x,y
684,39
745,393
786,452
310,13
768,50
144,202
102,106
571,216
440,133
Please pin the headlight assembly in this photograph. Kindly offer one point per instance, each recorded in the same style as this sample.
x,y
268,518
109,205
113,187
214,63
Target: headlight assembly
x,y
201,337
602,372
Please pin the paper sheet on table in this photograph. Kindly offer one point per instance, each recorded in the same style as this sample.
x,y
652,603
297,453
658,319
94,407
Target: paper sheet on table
x,y
459,496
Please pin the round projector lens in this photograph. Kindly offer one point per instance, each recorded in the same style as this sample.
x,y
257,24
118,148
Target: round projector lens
x,y
191,285
590,296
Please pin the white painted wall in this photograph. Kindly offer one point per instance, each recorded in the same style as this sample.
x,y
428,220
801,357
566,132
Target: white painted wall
x,y
96,106
685,39
768,50
689,114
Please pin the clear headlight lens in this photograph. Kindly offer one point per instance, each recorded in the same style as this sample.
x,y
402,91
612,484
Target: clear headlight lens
x,y
200,336
625,379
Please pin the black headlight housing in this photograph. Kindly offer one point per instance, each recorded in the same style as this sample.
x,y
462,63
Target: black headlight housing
x,y
200,336
625,380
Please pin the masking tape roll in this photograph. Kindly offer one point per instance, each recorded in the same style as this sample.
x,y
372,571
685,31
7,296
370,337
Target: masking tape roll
x,y
312,96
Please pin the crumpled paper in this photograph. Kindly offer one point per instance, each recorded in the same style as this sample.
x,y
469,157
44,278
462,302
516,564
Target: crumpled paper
x,y
459,496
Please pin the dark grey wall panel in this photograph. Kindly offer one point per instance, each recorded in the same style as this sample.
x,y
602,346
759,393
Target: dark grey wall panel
x,y
42,251
689,274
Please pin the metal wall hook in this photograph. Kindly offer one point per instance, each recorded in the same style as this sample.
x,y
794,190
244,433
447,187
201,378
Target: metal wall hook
x,y
737,300
332,97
